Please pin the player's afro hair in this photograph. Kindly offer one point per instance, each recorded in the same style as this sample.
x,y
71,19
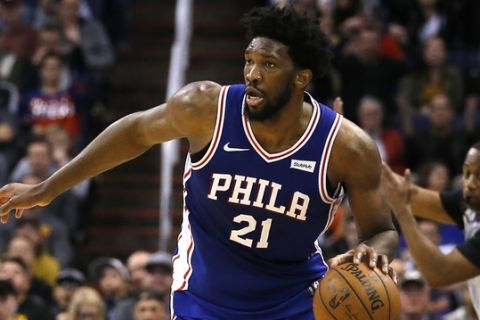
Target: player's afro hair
x,y
307,44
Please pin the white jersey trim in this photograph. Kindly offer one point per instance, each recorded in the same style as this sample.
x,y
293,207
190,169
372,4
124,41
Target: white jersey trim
x,y
217,133
324,160
271,157
182,261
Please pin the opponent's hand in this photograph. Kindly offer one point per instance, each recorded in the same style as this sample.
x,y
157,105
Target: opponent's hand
x,y
368,254
398,189
18,197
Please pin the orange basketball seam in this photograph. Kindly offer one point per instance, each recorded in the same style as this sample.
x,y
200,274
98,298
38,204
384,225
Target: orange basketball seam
x,y
388,295
326,307
359,299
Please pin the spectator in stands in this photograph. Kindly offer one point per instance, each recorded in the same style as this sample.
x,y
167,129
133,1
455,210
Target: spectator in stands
x,y
434,175
150,306
9,144
16,72
37,162
86,34
434,77
139,279
112,278
17,37
68,281
45,266
390,142
86,303
364,71
440,139
136,265
34,167
16,270
160,268
50,103
442,300
8,301
51,40
414,296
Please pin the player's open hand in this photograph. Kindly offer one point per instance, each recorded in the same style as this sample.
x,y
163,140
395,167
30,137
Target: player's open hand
x,y
367,254
398,189
18,197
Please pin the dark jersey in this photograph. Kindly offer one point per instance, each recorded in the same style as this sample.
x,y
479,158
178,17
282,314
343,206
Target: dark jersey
x,y
469,220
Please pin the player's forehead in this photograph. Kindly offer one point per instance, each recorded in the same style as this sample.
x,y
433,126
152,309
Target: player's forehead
x,y
472,159
267,47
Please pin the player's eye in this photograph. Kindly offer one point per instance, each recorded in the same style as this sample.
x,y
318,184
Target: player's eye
x,y
270,65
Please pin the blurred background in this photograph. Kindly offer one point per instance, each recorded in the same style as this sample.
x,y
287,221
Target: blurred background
x,y
407,70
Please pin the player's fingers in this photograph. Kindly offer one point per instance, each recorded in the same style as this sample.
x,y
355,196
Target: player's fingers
x,y
4,219
371,256
393,274
335,261
19,213
359,252
383,263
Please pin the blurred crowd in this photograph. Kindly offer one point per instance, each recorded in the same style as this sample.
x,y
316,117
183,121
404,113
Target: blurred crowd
x,y
408,72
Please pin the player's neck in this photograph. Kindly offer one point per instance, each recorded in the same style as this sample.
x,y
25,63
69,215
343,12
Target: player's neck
x,y
283,131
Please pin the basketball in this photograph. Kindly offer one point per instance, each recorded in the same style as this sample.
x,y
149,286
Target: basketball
x,y
350,291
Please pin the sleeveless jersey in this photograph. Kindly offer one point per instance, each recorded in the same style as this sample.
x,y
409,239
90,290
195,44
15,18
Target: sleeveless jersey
x,y
472,227
247,248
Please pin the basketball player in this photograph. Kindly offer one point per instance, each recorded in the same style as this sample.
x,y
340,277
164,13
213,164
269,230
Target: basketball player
x,y
461,207
265,172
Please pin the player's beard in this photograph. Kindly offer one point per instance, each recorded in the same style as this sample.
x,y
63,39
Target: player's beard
x,y
272,107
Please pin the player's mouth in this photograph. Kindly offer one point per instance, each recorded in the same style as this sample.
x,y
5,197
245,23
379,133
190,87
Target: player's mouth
x,y
254,97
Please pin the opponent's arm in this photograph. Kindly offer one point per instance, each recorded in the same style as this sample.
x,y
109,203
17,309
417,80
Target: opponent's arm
x,y
189,113
424,203
356,163
455,267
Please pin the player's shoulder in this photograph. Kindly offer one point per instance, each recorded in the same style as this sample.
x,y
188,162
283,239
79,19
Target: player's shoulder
x,y
198,93
353,140
195,101
354,154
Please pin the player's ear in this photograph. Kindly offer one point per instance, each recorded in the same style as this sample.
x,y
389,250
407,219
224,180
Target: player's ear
x,y
303,78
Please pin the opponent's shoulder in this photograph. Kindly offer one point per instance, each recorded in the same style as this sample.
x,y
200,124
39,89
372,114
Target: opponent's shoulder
x,y
354,153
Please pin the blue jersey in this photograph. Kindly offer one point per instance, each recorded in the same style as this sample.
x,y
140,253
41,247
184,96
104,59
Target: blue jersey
x,y
248,249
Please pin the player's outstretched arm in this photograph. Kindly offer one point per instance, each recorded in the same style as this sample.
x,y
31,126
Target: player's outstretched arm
x,y
455,267
356,163
189,113
424,203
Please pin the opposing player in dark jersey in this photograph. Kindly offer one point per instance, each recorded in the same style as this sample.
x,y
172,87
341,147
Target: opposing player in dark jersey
x,y
265,172
460,207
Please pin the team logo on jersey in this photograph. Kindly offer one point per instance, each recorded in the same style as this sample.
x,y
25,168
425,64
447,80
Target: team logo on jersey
x,y
303,165
227,148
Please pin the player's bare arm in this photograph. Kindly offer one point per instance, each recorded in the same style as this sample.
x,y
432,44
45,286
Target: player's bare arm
x,y
189,113
356,163
425,203
455,266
